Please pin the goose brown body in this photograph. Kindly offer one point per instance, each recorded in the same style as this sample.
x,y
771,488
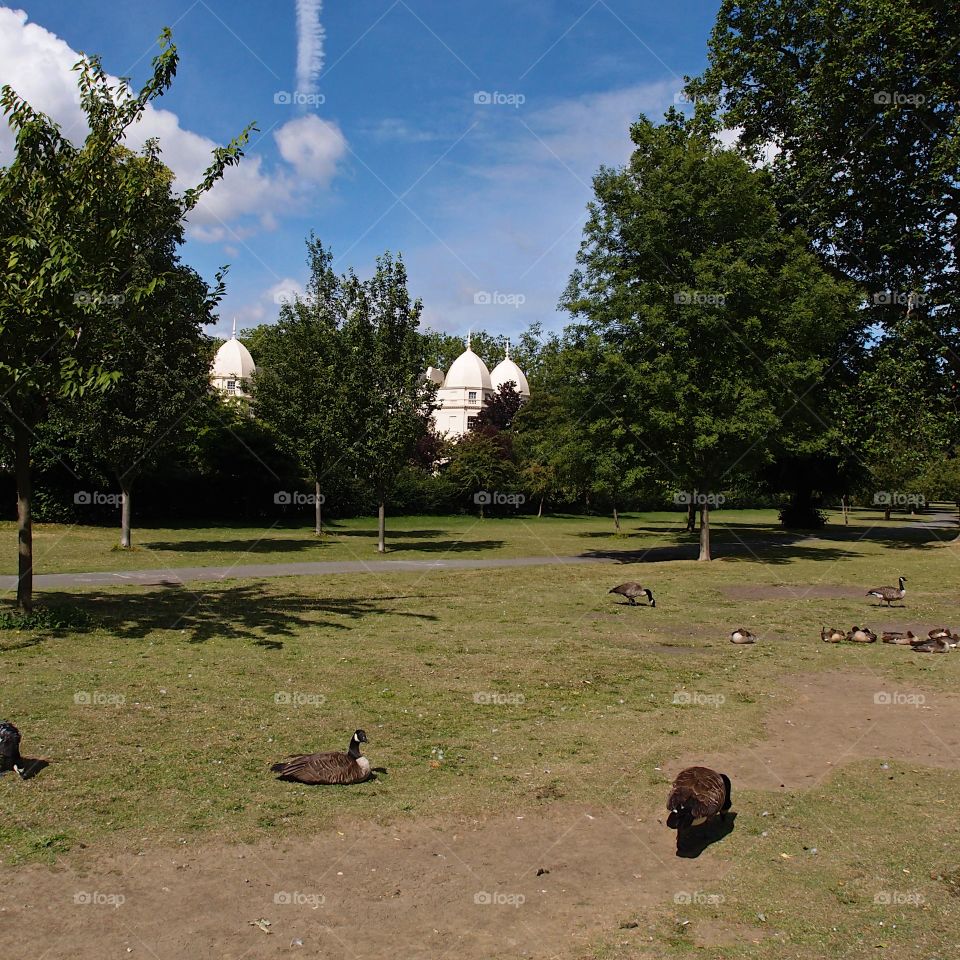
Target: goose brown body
x,y
934,645
832,635
742,635
896,636
887,595
861,635
330,768
697,794
631,590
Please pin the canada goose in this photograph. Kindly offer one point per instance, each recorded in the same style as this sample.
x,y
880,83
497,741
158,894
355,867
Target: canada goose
x,y
832,635
935,645
938,633
631,590
889,594
328,768
697,794
895,636
861,635
742,635
10,758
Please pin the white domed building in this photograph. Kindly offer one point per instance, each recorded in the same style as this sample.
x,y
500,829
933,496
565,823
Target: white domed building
x,y
467,386
232,367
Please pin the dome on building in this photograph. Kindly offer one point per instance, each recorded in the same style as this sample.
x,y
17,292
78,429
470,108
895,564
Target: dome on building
x,y
233,361
505,371
468,372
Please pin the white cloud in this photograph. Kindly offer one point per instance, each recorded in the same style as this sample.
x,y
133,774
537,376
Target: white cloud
x,y
310,41
37,64
312,146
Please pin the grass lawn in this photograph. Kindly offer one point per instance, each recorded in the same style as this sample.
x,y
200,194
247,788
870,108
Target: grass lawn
x,y
63,548
161,717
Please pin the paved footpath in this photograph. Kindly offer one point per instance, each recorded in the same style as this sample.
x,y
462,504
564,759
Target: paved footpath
x,y
172,576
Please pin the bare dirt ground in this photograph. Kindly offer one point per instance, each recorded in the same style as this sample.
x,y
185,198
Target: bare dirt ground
x,y
536,886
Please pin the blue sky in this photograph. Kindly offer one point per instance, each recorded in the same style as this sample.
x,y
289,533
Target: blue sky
x,y
392,151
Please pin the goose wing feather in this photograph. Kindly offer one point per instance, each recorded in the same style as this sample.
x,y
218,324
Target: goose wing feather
x,y
699,791
332,767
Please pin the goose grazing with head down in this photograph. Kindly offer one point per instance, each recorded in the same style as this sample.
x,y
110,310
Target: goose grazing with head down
x,y
935,645
861,635
631,590
10,758
742,635
328,768
697,794
832,635
887,595
896,636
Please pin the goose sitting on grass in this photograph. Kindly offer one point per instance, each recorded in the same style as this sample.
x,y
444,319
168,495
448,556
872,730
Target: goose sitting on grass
x,y
328,768
742,635
896,636
631,590
934,645
861,635
832,635
10,758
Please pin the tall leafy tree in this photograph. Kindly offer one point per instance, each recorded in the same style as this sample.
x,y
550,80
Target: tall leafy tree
x,y
299,384
385,376
68,236
718,319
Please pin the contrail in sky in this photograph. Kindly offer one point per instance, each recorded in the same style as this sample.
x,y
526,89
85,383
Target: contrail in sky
x,y
310,38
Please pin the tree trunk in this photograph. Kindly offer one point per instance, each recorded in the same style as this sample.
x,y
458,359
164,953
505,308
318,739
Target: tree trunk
x,y
704,531
318,509
616,519
382,528
21,441
540,511
846,509
886,512
126,490
691,516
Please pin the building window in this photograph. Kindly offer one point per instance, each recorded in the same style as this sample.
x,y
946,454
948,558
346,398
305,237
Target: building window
x,y
231,386
472,395
471,423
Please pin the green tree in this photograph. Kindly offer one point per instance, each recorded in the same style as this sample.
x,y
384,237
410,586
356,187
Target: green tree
x,y
479,467
68,237
719,320
385,377
298,388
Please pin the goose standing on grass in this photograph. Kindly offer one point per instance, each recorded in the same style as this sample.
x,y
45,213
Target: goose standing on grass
x,y
896,636
697,795
934,645
832,635
328,768
631,590
10,758
742,635
861,635
887,595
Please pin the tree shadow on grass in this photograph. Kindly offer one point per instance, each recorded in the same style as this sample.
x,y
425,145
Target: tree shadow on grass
x,y
253,545
248,611
729,550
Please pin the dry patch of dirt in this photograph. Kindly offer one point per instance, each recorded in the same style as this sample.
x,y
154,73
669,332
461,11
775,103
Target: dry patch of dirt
x,y
840,717
465,889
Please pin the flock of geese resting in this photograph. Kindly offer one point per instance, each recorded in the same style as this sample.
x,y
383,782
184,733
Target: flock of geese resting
x,y
698,794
